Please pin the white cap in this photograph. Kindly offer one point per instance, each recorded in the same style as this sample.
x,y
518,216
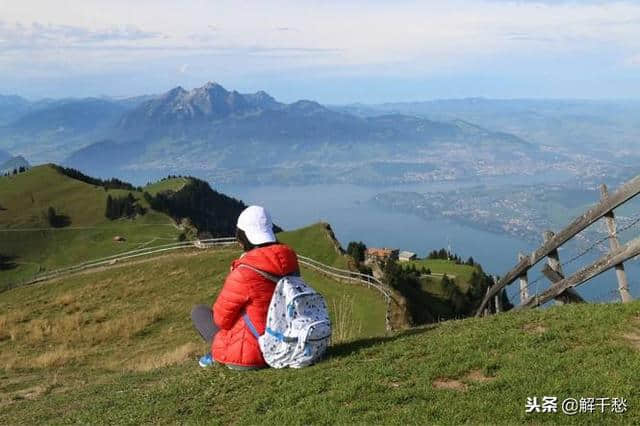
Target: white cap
x,y
256,223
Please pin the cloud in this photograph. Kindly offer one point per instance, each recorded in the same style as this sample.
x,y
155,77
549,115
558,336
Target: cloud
x,y
567,2
406,38
633,61
38,35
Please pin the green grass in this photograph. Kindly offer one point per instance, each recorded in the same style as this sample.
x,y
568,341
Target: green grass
x,y
42,251
474,371
101,326
361,311
33,246
173,184
440,301
314,241
439,266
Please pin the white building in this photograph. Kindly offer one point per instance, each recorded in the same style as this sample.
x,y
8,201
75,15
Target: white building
x,y
406,256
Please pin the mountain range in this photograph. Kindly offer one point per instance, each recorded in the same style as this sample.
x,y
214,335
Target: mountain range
x,y
228,136
606,129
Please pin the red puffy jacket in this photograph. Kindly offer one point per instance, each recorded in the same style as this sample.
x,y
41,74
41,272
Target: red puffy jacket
x,y
247,291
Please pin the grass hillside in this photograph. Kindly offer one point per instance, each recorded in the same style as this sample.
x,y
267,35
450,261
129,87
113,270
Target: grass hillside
x,y
100,326
30,245
455,299
318,242
168,184
116,346
460,272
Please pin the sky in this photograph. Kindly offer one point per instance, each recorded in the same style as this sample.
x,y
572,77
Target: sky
x,y
331,51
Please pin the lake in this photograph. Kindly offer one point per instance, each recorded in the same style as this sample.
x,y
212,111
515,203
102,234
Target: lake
x,y
354,218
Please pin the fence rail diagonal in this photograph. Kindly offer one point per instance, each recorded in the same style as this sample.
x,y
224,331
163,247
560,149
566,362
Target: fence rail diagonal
x,y
624,252
626,192
110,260
184,244
345,271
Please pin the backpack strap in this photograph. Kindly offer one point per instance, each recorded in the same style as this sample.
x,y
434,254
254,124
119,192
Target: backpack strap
x,y
245,317
270,277
250,326
265,274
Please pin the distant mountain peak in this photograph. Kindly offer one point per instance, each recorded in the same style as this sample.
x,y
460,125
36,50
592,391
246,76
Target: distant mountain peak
x,y
173,93
211,88
307,107
201,105
212,85
262,100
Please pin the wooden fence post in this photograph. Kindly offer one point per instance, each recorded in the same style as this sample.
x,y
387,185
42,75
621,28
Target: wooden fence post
x,y
486,309
554,273
623,284
524,282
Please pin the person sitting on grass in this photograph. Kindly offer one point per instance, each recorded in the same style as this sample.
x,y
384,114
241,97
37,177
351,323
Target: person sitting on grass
x,y
245,291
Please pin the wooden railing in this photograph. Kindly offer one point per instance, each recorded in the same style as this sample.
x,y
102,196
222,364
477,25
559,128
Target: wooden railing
x,y
338,274
123,256
561,288
355,277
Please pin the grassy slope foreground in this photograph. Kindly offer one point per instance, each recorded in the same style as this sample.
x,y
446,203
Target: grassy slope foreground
x,y
32,246
104,325
116,346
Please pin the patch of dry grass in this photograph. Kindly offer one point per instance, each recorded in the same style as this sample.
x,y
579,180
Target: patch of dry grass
x,y
478,376
534,328
59,356
633,337
65,299
462,384
124,327
9,324
451,384
175,356
345,326
82,331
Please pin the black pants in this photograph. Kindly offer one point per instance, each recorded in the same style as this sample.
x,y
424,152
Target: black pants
x,y
202,318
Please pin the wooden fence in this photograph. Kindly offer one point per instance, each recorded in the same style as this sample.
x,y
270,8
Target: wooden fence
x,y
342,275
562,288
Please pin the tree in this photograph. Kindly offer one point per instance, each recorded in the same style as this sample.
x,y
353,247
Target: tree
x,y
109,209
128,205
414,271
357,250
55,219
51,216
123,207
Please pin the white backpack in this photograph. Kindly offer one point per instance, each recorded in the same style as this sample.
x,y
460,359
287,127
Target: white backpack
x,y
298,326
